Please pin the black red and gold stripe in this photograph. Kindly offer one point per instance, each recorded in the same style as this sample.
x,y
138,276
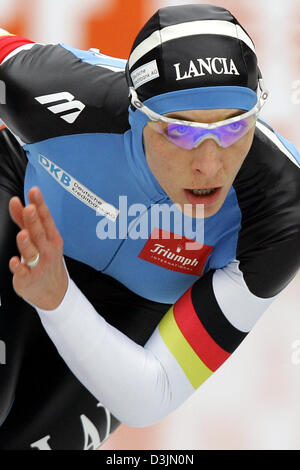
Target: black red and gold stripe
x,y
198,334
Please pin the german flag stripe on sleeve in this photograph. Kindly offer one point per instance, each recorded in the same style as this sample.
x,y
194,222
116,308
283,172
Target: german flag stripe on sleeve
x,y
10,42
197,333
195,370
212,318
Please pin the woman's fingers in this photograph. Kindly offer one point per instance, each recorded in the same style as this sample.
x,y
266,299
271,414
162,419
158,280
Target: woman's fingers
x,y
34,227
16,211
25,246
17,268
14,263
44,282
38,235
35,197
47,226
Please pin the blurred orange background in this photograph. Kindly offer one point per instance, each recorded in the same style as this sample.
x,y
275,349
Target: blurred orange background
x,y
252,402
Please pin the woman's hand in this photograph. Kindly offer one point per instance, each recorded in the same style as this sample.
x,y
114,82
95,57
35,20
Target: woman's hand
x,y
45,284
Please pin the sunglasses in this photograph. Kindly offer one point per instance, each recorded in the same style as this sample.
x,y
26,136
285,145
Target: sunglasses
x,y
188,137
190,134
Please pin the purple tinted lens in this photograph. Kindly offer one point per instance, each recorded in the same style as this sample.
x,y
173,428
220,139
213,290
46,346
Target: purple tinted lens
x,y
190,137
184,136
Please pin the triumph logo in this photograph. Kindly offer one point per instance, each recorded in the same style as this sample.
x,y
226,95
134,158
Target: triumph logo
x,y
217,65
167,253
175,252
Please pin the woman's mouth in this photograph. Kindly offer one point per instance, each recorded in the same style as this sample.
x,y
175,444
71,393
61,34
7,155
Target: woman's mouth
x,y
206,196
202,192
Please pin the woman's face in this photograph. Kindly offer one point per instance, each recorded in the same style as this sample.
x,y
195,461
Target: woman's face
x,y
184,173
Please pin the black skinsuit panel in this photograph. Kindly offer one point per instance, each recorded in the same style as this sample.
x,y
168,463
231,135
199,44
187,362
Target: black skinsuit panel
x,y
49,404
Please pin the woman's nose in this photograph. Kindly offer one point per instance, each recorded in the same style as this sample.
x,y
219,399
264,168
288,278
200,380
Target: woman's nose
x,y
206,158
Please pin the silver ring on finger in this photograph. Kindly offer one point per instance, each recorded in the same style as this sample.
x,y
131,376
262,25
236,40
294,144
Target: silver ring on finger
x,y
33,262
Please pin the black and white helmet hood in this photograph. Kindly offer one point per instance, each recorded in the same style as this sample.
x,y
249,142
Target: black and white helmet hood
x,y
190,57
197,54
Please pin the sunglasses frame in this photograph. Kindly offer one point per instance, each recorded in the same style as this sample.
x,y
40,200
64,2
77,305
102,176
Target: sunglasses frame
x,y
153,116
217,139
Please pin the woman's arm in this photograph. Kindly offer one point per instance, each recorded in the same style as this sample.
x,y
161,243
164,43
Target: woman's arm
x,y
139,385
